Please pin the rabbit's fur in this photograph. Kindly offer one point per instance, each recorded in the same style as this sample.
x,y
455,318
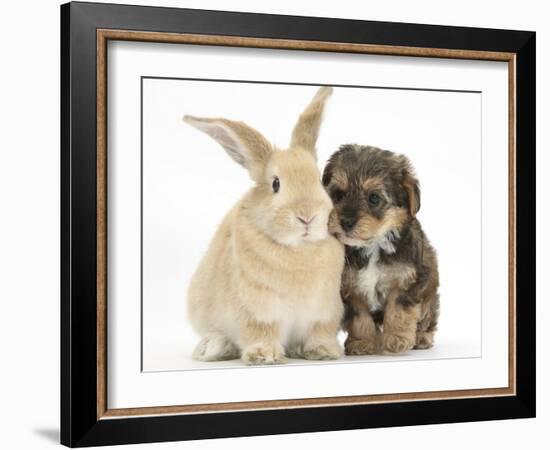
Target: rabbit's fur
x,y
268,286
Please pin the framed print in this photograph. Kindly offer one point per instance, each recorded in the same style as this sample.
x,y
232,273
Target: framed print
x,y
276,224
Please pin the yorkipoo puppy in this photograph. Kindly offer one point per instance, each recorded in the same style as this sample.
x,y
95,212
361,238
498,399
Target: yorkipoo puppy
x,y
390,281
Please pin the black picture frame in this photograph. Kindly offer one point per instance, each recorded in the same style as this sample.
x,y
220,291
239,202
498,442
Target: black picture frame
x,y
80,425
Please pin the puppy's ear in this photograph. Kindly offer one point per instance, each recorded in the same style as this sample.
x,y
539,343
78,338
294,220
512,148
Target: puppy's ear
x,y
412,188
243,144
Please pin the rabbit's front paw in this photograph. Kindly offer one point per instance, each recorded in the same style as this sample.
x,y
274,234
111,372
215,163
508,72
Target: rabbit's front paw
x,y
260,354
295,351
323,351
215,347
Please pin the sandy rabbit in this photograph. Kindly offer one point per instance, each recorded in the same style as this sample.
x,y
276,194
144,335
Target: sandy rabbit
x,y
268,286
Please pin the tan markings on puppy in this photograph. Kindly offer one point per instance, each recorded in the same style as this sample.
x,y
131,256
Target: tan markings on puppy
x,y
396,276
363,334
400,322
369,227
411,187
373,183
333,223
387,252
339,179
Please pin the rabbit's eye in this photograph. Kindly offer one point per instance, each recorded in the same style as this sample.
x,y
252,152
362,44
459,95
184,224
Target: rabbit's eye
x,y
276,184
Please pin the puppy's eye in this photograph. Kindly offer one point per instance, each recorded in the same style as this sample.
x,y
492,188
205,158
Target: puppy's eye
x,y
374,199
276,184
337,194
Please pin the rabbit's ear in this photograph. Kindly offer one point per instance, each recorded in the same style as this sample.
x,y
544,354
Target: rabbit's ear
x,y
245,145
306,130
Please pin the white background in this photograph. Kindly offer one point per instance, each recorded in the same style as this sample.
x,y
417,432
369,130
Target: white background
x,y
189,183
29,186
428,132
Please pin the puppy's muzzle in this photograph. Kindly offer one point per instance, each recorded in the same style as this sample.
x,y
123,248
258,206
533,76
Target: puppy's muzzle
x,y
348,223
348,219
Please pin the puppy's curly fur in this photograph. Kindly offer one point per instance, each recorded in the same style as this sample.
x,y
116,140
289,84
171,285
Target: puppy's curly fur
x,y
390,281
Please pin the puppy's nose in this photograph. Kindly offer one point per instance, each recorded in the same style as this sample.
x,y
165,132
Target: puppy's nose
x,y
348,222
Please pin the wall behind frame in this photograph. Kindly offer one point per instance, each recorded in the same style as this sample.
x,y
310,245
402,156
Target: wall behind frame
x,y
29,225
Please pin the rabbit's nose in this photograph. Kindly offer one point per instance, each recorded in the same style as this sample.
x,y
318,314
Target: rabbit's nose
x,y
306,221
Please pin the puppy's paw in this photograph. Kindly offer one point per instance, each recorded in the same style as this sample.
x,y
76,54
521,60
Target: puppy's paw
x,y
396,343
264,354
323,352
362,347
424,340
